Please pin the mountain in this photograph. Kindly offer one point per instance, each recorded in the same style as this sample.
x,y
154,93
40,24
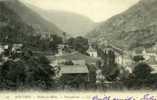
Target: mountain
x,y
17,26
12,28
31,18
72,23
133,28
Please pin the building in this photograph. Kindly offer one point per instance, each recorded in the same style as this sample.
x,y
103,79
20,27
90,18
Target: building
x,y
147,53
73,69
150,56
76,57
99,76
79,67
92,52
17,48
74,76
79,62
60,50
1,49
137,52
118,53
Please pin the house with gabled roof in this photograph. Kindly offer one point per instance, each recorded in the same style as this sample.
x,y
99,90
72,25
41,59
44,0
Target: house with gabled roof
x,y
74,76
121,57
147,53
78,66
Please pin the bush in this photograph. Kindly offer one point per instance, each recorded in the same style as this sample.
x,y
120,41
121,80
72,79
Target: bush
x,y
29,72
141,78
142,70
138,58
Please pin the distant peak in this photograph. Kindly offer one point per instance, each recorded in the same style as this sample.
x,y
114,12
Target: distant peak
x,y
147,1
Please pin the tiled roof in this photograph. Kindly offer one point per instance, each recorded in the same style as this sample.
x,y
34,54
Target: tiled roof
x,y
74,69
73,56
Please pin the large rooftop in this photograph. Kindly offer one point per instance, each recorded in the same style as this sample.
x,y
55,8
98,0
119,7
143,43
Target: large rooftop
x,y
74,56
74,69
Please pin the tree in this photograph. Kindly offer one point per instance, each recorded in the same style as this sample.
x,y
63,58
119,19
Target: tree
x,y
92,75
79,44
71,42
138,58
56,41
73,80
101,53
27,71
13,74
142,70
141,77
110,69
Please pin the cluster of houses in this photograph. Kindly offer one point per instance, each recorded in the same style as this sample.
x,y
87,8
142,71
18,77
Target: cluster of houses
x,y
73,64
76,64
79,61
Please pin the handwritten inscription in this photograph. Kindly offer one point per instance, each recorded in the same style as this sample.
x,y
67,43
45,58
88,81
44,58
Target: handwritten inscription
x,y
145,97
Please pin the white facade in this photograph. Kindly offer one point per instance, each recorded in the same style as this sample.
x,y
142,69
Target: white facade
x,y
99,76
119,60
149,55
1,49
60,50
92,52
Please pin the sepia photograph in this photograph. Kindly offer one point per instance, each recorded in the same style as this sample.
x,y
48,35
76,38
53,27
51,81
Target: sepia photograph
x,y
72,46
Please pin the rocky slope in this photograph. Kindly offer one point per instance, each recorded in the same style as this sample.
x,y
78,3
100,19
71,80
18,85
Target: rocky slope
x,y
135,27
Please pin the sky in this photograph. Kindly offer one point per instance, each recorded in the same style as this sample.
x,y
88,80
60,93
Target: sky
x,y
97,10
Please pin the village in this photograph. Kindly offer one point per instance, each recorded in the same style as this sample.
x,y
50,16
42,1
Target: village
x,y
80,71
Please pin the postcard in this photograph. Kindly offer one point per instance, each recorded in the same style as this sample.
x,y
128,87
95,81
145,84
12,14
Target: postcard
x,y
78,49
